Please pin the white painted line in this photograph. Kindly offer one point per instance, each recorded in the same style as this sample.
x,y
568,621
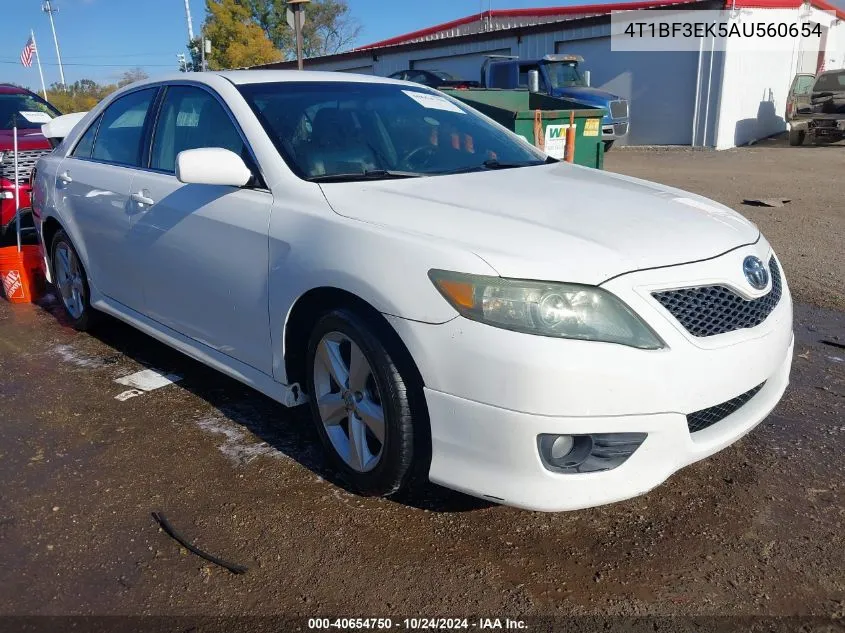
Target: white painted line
x,y
148,379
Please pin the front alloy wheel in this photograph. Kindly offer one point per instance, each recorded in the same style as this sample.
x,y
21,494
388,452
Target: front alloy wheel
x,y
348,401
366,402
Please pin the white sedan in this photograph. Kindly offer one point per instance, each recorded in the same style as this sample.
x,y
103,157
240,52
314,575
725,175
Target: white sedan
x,y
452,304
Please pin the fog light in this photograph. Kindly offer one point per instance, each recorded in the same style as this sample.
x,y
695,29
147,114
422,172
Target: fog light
x,y
587,453
561,446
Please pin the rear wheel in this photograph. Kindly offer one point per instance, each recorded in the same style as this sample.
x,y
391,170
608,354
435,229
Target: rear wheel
x,y
71,281
796,137
361,403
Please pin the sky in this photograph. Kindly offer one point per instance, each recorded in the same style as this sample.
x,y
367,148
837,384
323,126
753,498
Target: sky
x,y
100,39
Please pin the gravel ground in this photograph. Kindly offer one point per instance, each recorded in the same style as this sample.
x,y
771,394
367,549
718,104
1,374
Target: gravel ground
x,y
756,530
808,233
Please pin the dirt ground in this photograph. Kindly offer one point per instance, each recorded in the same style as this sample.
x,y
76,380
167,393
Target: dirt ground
x,y
756,530
808,233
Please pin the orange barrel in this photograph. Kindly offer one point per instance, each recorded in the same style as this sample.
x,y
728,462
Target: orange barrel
x,y
22,273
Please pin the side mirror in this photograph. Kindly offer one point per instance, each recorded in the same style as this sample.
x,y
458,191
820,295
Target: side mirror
x,y
212,166
533,81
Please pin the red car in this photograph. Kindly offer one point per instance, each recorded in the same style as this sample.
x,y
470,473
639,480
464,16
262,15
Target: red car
x,y
31,146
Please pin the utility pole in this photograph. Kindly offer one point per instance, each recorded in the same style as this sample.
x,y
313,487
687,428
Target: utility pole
x,y
297,10
38,59
49,10
205,49
190,22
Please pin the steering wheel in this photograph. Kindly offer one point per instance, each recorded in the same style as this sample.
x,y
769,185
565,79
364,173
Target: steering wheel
x,y
420,157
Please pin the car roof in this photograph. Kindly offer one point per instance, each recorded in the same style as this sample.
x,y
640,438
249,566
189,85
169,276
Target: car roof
x,y
8,89
245,77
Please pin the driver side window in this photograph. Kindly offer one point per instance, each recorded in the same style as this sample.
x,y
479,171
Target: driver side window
x,y
191,118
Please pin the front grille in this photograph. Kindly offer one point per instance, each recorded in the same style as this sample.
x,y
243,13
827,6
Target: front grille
x,y
619,109
26,161
620,129
708,417
711,310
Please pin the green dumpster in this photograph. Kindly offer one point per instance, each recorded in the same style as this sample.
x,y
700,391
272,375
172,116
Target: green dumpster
x,y
517,111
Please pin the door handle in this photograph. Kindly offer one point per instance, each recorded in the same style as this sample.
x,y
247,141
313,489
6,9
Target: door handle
x,y
65,177
140,198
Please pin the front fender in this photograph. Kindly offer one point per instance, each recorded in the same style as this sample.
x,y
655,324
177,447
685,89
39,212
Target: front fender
x,y
384,267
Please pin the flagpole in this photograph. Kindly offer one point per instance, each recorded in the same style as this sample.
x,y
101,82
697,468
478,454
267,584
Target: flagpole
x,y
38,58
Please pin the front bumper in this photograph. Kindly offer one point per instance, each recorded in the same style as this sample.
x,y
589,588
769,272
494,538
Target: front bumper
x,y
491,392
610,131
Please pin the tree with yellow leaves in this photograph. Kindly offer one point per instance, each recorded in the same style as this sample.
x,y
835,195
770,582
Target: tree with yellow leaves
x,y
237,40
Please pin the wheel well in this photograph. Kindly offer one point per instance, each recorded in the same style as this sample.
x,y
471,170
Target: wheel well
x,y
303,316
48,231
310,306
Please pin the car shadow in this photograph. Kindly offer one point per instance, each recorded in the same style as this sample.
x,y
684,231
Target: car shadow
x,y
290,431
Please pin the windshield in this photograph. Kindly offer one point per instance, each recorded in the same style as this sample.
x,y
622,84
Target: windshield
x,y
336,128
564,75
443,75
830,82
29,109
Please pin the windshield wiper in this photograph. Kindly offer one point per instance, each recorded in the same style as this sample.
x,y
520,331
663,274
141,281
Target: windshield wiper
x,y
367,174
492,163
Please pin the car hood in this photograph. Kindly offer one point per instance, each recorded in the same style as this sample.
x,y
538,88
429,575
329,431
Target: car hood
x,y
585,94
552,222
27,139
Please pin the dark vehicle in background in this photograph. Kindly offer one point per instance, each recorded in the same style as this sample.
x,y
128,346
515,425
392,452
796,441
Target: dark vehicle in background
x,y
16,104
559,76
815,108
433,79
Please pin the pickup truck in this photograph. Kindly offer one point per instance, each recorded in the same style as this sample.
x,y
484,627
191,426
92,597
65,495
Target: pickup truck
x,y
26,110
559,76
815,107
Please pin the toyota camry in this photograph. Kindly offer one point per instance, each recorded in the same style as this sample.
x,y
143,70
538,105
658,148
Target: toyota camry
x,y
452,304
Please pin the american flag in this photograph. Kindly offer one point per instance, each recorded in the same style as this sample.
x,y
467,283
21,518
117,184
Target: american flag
x,y
28,52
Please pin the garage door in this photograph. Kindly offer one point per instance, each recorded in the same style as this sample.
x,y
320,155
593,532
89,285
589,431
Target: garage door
x,y
659,87
466,66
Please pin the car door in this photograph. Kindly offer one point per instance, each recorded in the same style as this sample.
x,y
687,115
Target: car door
x,y
202,250
800,94
92,193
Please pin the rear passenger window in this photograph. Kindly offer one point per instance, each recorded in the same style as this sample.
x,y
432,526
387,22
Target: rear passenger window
x,y
192,118
86,143
122,129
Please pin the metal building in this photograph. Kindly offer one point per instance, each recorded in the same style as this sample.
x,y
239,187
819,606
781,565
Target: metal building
x,y
709,97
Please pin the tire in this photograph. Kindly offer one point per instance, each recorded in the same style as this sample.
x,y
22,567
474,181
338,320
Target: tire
x,y
796,137
607,146
372,466
71,283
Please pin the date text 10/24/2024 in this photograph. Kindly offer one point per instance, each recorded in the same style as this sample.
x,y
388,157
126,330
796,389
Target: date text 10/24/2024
x,y
415,624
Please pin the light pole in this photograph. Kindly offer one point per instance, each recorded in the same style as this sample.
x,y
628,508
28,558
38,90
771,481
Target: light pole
x,y
298,7
49,10
190,22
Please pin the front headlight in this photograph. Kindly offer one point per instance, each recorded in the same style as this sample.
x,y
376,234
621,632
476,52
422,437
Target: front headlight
x,y
545,308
